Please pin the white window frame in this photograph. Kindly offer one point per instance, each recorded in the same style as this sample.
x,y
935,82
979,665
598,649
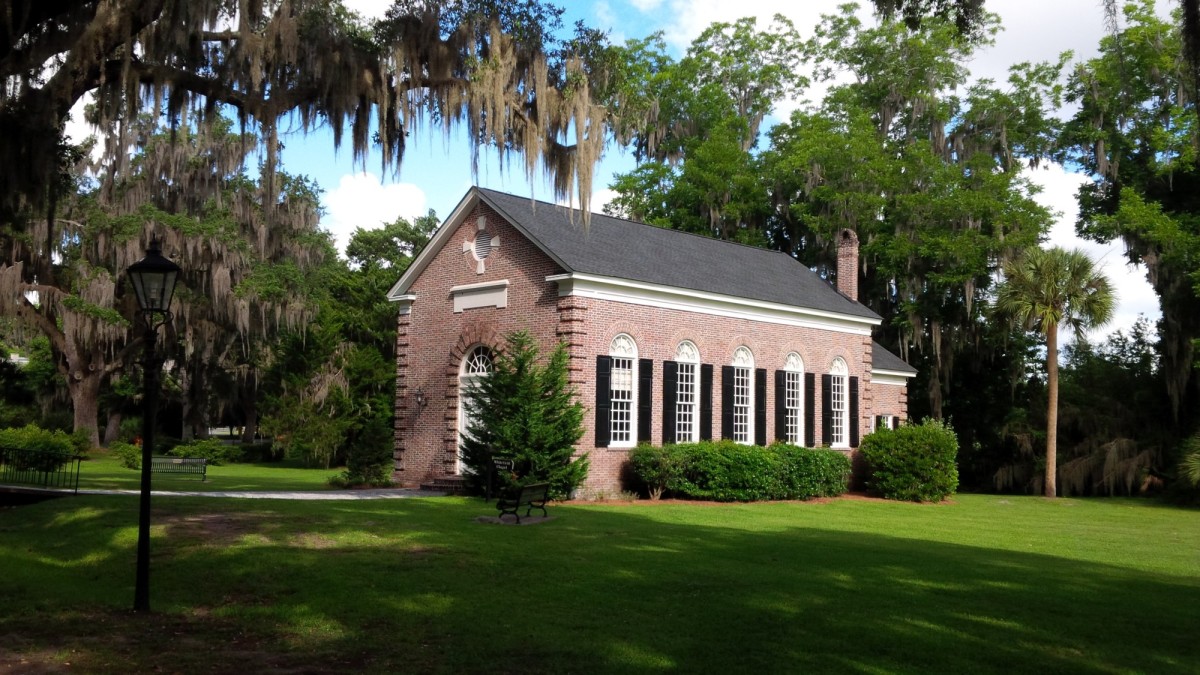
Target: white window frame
x,y
839,404
793,399
743,396
623,418
687,393
477,364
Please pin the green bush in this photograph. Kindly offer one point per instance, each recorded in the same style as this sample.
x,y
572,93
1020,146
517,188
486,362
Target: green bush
x,y
726,471
526,411
912,463
657,467
807,474
214,450
54,447
128,454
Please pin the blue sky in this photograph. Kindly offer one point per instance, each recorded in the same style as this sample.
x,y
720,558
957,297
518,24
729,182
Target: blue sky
x,y
436,172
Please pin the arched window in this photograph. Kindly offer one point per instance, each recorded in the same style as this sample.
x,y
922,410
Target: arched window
x,y
743,399
687,393
839,404
475,366
623,392
793,399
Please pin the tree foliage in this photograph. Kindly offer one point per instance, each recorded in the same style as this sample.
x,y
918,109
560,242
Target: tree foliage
x,y
493,68
329,393
1135,134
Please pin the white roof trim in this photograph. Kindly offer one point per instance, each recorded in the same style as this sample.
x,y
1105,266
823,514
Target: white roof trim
x,y
893,377
669,297
405,302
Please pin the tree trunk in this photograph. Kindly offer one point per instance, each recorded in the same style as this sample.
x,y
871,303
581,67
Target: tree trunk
x,y
250,412
1051,487
112,429
84,386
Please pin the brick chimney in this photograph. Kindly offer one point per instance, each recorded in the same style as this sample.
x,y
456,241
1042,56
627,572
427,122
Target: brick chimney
x,y
847,264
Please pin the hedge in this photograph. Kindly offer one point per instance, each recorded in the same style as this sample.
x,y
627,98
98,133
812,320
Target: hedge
x,y
726,471
55,447
916,462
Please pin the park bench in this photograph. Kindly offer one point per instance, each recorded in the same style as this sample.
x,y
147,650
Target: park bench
x,y
196,466
532,496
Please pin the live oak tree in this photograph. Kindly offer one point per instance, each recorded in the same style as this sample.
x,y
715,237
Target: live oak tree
x,y
493,68
696,169
1135,134
242,263
930,179
1045,289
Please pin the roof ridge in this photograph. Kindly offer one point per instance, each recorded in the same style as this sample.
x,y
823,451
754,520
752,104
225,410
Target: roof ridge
x,y
656,227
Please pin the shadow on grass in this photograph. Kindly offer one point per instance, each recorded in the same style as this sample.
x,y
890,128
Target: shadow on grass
x,y
416,586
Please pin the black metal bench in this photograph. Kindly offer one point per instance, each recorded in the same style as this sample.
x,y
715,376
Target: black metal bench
x,y
533,496
196,466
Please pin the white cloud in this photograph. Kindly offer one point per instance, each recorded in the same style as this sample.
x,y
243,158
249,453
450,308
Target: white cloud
x,y
368,9
645,5
360,200
1134,294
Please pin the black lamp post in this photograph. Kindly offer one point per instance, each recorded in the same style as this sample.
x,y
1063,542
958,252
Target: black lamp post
x,y
153,280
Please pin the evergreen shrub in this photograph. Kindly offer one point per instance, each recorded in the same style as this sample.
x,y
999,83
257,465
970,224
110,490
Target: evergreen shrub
x,y
657,468
726,471
214,450
128,454
916,462
56,447
524,411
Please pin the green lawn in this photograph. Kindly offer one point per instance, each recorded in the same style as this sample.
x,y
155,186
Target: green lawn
x,y
985,584
103,472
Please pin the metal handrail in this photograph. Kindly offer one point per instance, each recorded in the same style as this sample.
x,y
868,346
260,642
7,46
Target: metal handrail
x,y
41,468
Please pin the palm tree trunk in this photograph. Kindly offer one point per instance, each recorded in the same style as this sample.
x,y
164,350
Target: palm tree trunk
x,y
1052,411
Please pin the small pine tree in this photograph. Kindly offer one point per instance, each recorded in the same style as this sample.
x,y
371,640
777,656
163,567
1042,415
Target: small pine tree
x,y
524,411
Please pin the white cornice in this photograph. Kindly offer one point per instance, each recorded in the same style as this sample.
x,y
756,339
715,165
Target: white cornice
x,y
669,297
893,377
405,302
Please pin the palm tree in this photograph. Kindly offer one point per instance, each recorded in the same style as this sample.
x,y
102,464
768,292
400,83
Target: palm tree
x,y
1043,289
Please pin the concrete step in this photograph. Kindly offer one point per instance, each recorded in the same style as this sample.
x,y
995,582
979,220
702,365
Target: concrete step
x,y
449,484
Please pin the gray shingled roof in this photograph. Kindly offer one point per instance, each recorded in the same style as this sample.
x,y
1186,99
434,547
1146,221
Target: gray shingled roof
x,y
883,359
613,247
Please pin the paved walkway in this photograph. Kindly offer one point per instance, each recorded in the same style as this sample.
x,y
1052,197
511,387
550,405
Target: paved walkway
x,y
328,495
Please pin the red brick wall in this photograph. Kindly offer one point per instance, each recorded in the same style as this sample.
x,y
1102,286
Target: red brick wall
x,y
432,341
659,331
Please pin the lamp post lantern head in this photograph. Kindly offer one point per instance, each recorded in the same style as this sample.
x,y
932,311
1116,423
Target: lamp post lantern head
x,y
154,280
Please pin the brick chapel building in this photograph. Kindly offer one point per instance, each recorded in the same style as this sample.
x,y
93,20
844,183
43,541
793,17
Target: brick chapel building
x,y
672,336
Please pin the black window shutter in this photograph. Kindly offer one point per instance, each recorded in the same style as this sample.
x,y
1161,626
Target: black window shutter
x,y
645,399
727,402
810,410
826,409
706,405
670,386
781,406
760,406
603,401
854,412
